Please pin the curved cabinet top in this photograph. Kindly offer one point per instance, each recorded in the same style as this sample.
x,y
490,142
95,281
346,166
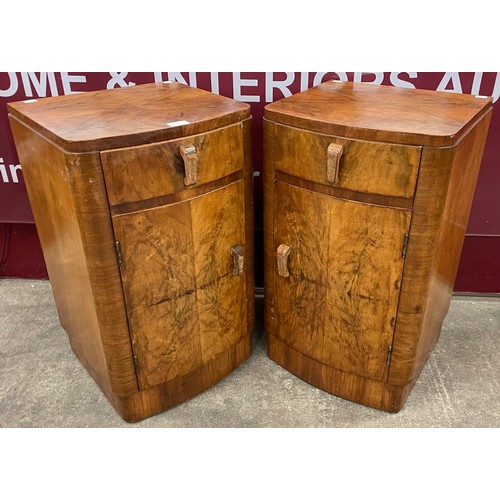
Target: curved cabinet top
x,y
381,113
128,116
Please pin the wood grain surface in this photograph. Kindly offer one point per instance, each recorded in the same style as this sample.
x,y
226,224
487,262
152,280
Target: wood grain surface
x,y
380,113
184,304
128,116
345,194
143,404
348,289
270,245
169,199
361,390
442,206
218,224
369,167
145,286
339,303
249,225
154,170
69,205
159,285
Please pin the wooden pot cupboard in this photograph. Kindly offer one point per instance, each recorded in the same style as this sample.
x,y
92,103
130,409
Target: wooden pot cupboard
x,y
367,193
142,198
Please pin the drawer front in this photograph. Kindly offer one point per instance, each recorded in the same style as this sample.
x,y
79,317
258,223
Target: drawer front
x,y
153,170
370,167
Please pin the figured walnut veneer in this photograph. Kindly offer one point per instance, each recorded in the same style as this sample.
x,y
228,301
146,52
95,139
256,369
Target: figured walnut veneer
x,y
373,255
141,264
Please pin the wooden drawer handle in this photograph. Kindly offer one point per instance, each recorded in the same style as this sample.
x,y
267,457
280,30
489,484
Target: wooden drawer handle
x,y
282,260
333,162
237,253
190,157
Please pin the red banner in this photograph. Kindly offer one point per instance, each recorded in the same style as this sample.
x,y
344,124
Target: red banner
x,y
258,89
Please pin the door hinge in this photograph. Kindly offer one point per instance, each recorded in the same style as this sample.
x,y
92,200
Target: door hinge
x,y
389,355
405,245
118,249
136,363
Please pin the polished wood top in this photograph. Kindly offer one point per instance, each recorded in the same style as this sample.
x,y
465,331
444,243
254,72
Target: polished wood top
x,y
381,113
128,116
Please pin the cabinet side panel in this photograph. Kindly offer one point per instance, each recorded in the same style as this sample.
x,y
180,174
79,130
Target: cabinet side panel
x,y
443,201
269,246
92,210
464,174
249,224
434,175
49,190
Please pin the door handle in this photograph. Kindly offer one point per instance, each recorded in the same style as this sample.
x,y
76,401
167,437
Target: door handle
x,y
334,153
190,157
282,260
238,258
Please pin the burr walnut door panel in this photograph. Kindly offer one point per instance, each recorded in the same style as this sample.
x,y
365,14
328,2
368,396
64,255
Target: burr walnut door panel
x,y
184,282
344,263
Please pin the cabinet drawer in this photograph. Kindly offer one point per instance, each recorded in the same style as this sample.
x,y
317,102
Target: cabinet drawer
x,y
370,167
153,170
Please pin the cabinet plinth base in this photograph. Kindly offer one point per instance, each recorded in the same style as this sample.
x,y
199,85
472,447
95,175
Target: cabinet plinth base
x,y
143,404
380,395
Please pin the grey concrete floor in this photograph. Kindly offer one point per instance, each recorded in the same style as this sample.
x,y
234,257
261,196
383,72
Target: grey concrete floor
x,y
42,384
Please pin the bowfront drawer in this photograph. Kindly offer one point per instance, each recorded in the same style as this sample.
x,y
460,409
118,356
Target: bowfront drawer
x,y
370,167
162,168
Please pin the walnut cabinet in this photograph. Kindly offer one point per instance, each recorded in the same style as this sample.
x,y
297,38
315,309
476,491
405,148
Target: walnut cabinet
x,y
142,197
367,195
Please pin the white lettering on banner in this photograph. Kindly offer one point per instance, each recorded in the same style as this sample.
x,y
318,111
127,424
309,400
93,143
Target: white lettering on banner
x,y
318,78
68,79
39,85
397,82
158,77
118,78
13,172
496,88
379,78
342,76
454,78
476,83
176,77
214,82
282,85
238,82
397,79
3,171
304,80
13,86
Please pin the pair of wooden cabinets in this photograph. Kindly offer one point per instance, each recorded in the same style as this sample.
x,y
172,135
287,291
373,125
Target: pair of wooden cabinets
x,y
143,203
